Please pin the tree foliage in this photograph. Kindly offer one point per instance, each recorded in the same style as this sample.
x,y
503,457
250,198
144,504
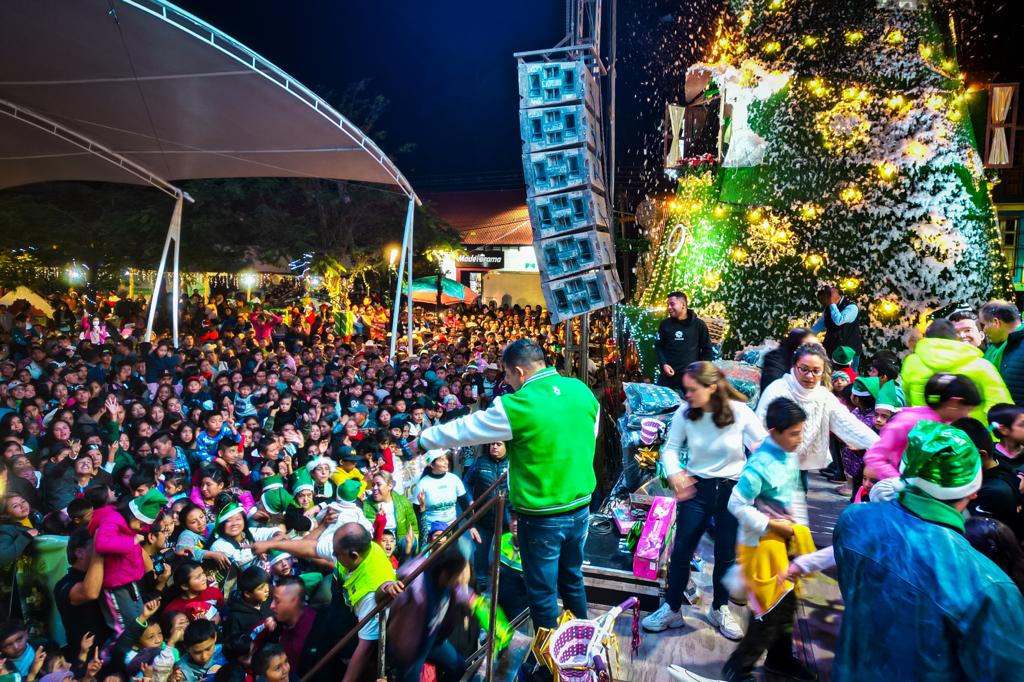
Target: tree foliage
x,y
232,223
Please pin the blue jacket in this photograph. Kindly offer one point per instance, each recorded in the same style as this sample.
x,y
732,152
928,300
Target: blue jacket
x,y
921,603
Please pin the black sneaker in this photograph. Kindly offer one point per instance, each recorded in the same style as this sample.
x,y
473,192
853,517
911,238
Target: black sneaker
x,y
791,668
729,674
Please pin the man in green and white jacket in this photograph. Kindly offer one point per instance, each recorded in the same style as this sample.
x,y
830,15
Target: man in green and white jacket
x,y
549,426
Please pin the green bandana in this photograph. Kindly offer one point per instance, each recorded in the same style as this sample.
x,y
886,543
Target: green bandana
x,y
926,507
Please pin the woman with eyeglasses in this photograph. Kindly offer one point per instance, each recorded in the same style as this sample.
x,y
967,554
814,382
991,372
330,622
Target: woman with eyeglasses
x,y
808,384
703,458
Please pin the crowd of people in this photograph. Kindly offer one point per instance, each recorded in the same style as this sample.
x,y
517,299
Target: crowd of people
x,y
928,448
231,507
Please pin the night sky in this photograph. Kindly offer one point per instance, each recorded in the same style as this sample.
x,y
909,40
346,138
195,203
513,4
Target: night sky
x,y
447,69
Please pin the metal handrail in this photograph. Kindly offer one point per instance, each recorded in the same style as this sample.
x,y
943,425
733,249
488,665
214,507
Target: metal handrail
x,y
436,548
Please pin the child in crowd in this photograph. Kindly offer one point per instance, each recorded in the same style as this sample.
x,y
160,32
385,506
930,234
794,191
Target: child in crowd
x,y
768,501
249,607
1007,424
117,536
196,596
201,651
948,397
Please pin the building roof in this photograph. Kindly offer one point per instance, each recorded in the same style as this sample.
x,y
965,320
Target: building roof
x,y
485,218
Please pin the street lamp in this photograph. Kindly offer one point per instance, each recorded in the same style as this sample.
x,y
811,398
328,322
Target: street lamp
x,y
392,257
248,280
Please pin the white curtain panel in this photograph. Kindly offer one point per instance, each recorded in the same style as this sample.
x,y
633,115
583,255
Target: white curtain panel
x,y
999,153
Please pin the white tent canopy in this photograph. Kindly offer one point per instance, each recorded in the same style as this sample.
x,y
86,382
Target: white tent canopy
x,y
165,90
142,92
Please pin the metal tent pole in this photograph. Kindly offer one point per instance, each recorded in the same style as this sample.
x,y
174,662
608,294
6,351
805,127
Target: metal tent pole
x,y
176,285
410,221
406,240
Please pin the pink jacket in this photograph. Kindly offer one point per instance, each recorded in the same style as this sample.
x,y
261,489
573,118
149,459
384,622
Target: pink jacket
x,y
112,538
262,331
884,456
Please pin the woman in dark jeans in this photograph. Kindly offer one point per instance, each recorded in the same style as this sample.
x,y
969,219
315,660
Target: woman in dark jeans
x,y
703,458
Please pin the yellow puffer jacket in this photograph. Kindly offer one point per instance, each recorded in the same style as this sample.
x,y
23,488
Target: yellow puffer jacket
x,y
934,356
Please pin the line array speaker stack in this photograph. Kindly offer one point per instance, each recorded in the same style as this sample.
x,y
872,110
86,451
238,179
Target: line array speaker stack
x,y
563,163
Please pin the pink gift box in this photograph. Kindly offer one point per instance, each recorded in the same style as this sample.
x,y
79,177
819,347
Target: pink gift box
x,y
653,539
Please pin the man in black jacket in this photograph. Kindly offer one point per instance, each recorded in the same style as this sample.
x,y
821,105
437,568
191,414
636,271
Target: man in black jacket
x,y
682,339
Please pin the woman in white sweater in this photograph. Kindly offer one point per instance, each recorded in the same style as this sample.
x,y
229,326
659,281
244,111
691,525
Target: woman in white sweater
x,y
825,414
703,458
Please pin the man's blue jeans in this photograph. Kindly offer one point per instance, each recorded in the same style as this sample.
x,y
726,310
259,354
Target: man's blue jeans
x,y
551,549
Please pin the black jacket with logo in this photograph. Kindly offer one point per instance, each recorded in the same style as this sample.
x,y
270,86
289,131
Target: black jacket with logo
x,y
682,343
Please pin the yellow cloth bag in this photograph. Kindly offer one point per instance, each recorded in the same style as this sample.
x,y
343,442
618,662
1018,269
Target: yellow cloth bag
x,y
762,566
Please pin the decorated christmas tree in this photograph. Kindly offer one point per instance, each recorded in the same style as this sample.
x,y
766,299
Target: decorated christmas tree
x,y
845,154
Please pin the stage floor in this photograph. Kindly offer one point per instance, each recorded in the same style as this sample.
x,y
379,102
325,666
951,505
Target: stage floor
x,y
698,647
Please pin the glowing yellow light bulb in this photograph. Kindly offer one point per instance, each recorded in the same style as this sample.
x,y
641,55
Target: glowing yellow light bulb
x,y
935,102
810,40
851,195
896,101
854,37
781,236
810,211
814,260
723,42
849,283
888,308
776,4
927,51
719,211
894,37
947,64
917,150
738,254
955,115
754,215
888,171
746,17
772,47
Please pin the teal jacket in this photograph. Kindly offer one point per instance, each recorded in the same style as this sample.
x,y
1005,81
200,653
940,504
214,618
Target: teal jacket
x,y
921,603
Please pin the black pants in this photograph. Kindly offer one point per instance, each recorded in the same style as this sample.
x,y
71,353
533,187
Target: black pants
x,y
772,633
710,502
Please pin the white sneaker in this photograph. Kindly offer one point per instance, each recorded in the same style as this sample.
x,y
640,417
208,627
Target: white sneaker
x,y
663,619
723,619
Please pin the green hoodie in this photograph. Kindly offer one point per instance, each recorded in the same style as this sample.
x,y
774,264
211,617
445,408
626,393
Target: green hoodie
x,y
934,356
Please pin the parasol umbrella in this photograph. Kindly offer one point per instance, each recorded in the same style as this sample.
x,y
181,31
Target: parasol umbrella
x,y
424,290
37,302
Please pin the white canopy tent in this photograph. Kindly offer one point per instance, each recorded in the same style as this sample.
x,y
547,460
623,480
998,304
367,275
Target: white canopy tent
x,y
142,92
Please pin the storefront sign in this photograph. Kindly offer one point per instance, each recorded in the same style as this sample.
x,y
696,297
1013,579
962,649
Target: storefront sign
x,y
483,260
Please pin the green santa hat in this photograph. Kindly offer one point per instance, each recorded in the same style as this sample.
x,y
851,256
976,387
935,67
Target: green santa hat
x,y
890,397
147,507
941,461
843,356
349,490
274,497
866,386
277,555
229,510
303,481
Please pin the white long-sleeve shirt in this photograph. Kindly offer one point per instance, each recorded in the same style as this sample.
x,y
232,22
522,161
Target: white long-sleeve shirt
x,y
825,414
705,450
